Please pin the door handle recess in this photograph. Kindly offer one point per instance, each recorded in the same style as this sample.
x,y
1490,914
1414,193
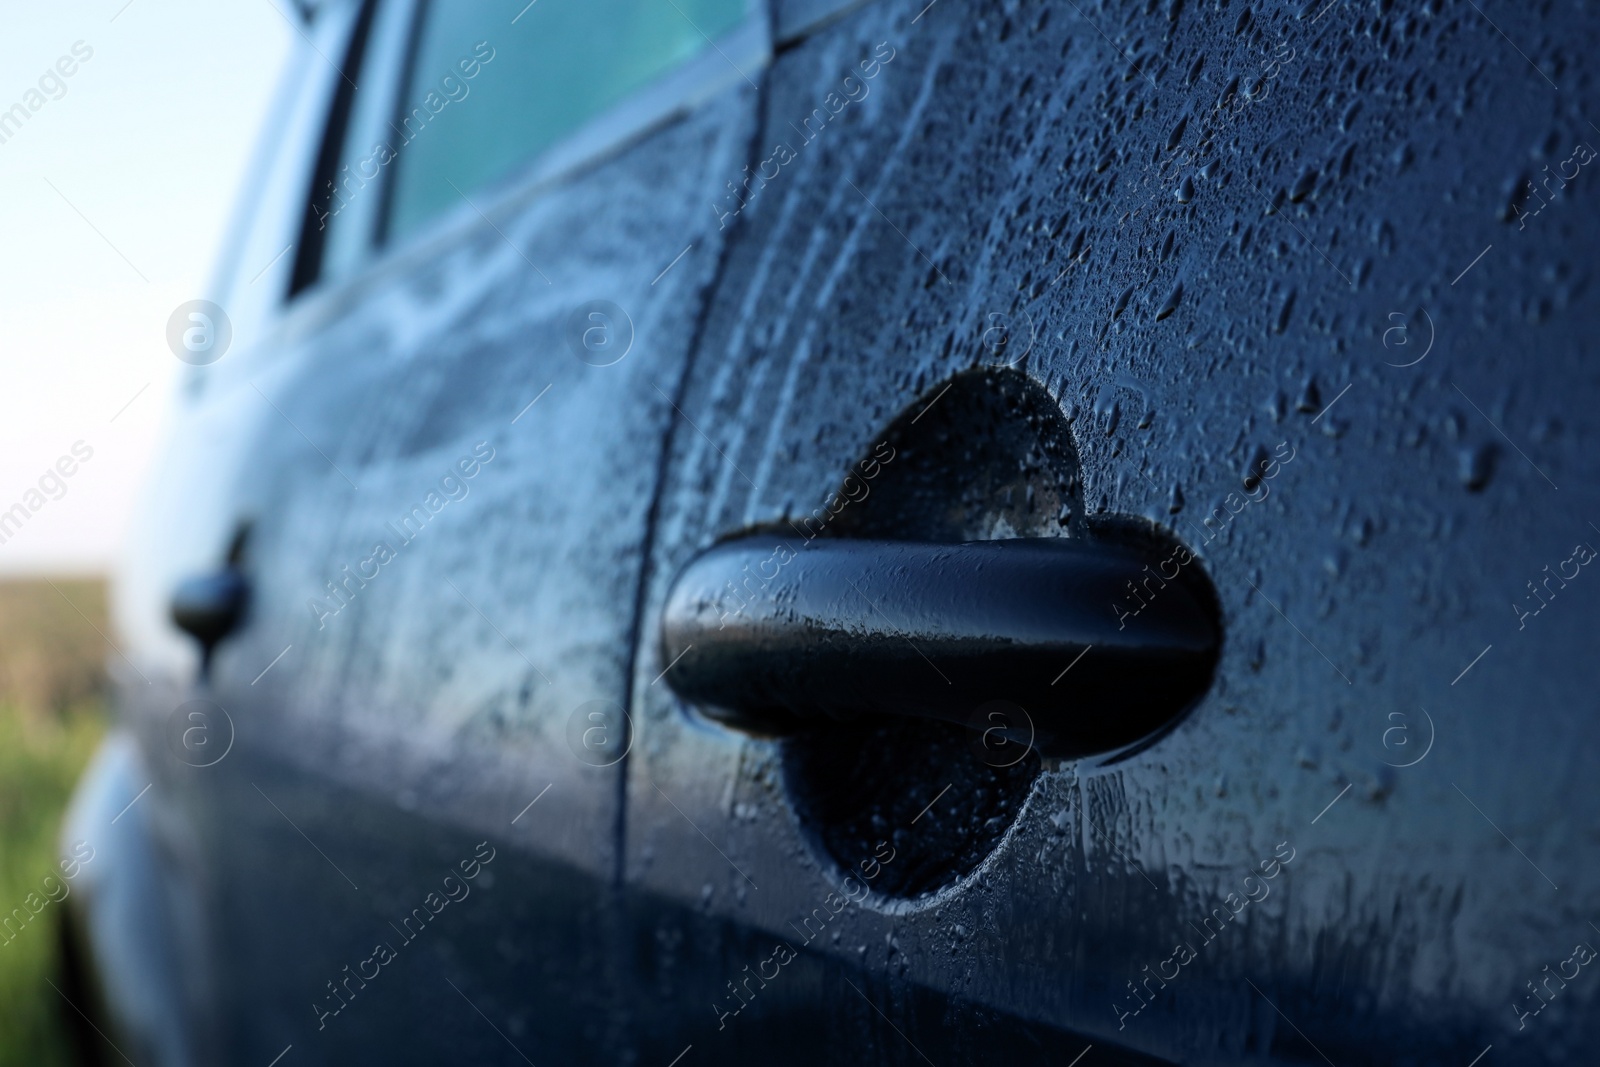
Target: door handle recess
x,y
847,628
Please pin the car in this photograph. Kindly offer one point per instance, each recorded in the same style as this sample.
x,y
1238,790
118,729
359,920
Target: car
x,y
972,531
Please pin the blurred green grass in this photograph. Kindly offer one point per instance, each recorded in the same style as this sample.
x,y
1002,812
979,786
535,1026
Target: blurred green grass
x,y
52,713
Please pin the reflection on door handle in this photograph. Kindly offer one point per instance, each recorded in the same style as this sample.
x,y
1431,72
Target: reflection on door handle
x,y
209,607
845,628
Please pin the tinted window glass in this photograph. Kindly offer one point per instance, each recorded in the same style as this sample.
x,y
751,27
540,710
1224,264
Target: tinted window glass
x,y
495,81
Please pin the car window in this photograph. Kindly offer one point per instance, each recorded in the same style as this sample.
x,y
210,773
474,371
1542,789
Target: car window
x,y
351,198
271,213
324,196
494,82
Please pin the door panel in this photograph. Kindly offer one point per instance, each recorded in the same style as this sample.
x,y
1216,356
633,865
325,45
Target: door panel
x,y
445,493
1018,221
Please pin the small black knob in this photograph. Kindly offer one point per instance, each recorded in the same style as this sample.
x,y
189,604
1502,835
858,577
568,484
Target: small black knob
x,y
209,607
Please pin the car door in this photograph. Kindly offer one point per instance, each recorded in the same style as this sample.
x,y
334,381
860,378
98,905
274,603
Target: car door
x,y
1147,295
431,473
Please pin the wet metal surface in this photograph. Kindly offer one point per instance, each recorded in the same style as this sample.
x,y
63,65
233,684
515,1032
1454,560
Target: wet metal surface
x,y
1304,291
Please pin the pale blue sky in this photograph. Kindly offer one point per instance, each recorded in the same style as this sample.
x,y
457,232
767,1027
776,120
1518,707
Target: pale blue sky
x,y
149,142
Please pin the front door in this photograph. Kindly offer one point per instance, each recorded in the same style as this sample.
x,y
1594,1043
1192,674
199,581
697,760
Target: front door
x,y
440,465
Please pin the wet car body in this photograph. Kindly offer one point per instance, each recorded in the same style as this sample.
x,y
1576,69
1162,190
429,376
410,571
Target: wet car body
x,y
1232,290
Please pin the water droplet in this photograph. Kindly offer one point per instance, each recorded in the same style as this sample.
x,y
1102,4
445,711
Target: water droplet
x,y
1251,475
1175,138
1514,197
1275,405
1310,396
1303,185
1280,322
1170,305
1229,91
1383,234
1474,466
1122,302
1112,412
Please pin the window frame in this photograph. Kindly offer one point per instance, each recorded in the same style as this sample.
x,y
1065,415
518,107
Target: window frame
x,y
250,274
308,257
378,63
744,53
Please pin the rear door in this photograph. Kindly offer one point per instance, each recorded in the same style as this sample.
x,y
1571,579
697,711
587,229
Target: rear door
x,y
433,471
1158,280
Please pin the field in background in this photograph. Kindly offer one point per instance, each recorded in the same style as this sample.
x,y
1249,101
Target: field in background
x,y
52,691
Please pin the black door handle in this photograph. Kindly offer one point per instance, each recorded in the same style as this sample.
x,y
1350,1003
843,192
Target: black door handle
x,y
209,607
771,638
